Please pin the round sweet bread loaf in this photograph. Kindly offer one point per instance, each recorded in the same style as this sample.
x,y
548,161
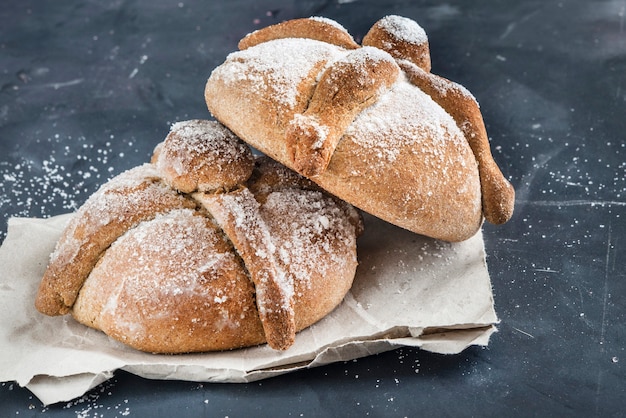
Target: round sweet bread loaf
x,y
370,124
220,258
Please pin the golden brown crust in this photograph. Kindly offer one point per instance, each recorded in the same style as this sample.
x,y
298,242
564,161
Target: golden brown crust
x,y
320,29
410,156
323,231
220,270
271,176
262,85
133,197
172,284
407,42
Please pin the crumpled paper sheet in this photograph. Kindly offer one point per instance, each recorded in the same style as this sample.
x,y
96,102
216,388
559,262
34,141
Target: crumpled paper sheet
x,y
409,291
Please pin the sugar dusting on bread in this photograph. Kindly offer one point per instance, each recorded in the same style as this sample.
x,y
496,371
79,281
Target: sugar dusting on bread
x,y
105,206
313,218
404,29
404,157
199,138
279,77
250,228
163,280
152,279
391,124
328,21
383,124
202,155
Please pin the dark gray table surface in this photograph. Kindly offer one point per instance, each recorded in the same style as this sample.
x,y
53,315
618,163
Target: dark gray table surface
x,y
88,88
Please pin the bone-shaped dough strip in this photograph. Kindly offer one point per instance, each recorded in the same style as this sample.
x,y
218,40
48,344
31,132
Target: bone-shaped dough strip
x,y
498,196
405,40
346,88
310,28
237,213
130,198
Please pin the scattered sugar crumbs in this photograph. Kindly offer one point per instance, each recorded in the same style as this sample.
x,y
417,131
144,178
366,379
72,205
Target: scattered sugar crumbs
x,y
59,176
89,405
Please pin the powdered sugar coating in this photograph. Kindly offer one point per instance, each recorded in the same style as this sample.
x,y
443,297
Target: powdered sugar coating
x,y
192,260
329,22
130,198
403,159
134,191
290,240
199,138
424,135
444,86
307,227
390,125
365,56
403,29
202,155
310,122
280,76
254,242
154,300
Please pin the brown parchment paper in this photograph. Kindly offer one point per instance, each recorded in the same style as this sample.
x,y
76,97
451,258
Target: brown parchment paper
x,y
409,291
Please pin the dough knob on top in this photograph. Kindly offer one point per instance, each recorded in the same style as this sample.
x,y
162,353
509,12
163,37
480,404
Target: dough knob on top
x,y
401,37
202,155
